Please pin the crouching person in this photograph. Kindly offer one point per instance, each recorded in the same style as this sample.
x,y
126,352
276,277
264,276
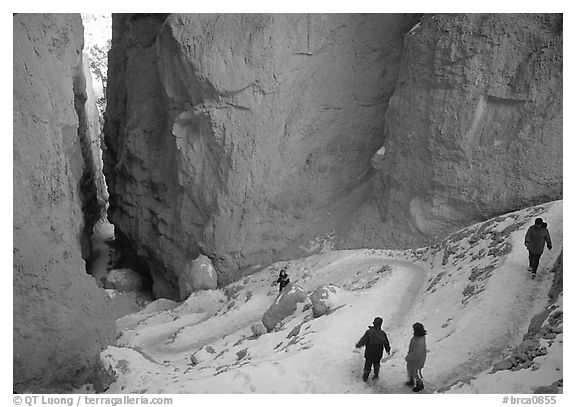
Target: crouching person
x,y
375,340
416,357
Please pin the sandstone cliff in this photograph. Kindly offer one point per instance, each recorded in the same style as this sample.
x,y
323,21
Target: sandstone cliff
x,y
244,137
61,319
474,128
254,138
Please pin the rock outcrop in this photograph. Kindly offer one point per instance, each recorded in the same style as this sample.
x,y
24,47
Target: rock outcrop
x,y
474,128
61,319
258,329
123,280
93,182
258,138
284,305
324,299
246,138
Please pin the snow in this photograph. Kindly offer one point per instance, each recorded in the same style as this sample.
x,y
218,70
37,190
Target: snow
x,y
97,42
97,29
472,293
415,27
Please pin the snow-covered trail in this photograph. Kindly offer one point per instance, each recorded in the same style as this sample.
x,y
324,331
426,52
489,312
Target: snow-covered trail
x,y
394,302
391,298
331,338
467,334
471,291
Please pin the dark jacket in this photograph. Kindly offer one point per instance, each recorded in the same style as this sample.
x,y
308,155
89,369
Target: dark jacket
x,y
416,353
283,281
375,340
536,237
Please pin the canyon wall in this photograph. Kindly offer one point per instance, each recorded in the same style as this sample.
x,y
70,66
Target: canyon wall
x,y
474,128
256,138
61,319
247,138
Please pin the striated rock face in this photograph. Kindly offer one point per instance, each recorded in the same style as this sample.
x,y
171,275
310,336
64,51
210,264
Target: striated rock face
x,y
247,138
474,128
61,320
257,138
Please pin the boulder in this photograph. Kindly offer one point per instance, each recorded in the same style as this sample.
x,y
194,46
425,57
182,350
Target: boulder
x,y
258,328
323,299
242,354
284,305
203,354
199,274
123,280
505,364
295,331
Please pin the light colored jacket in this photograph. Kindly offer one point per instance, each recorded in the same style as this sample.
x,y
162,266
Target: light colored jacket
x,y
416,352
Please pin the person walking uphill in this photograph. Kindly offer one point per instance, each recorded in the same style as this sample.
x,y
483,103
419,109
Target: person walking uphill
x,y
534,240
416,357
375,340
283,279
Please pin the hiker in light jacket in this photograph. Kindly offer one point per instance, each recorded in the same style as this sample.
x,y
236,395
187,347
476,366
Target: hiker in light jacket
x,y
534,240
416,357
375,340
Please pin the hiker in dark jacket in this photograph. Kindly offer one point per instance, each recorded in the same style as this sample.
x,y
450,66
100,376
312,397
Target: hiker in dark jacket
x,y
283,279
535,238
375,340
416,357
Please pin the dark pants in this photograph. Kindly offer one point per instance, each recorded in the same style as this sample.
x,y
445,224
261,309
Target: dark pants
x,y
534,260
368,366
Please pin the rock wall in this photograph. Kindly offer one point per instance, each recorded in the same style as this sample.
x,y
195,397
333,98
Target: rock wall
x,y
247,138
61,320
256,138
474,128
93,140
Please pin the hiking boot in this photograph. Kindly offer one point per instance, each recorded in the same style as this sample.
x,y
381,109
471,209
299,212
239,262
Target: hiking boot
x,y
419,386
365,376
410,382
533,276
530,269
375,377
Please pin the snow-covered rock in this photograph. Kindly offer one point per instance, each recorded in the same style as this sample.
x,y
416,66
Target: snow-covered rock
x,y
123,280
258,328
202,355
284,305
159,305
324,298
199,274
203,301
